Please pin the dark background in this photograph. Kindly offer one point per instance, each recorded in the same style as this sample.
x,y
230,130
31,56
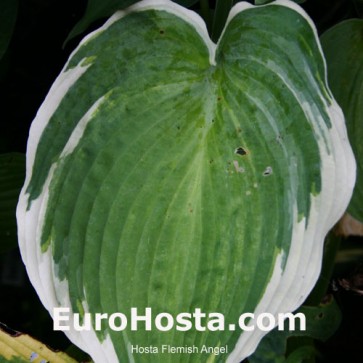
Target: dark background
x,y
33,60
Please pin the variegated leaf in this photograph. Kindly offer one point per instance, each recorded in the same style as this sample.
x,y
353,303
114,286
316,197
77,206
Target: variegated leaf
x,y
16,347
166,171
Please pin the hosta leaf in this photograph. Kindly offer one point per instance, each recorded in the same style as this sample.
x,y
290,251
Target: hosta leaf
x,y
321,322
346,80
16,347
165,171
302,354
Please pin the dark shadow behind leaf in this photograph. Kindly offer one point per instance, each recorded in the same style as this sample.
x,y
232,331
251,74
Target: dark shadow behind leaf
x,y
12,175
8,13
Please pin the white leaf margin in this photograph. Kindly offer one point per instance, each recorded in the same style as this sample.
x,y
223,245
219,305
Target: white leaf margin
x,y
287,288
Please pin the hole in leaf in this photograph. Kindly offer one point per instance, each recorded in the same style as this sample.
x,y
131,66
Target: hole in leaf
x,y
268,171
240,151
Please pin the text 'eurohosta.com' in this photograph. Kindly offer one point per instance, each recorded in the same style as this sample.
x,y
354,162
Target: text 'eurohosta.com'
x,y
64,320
